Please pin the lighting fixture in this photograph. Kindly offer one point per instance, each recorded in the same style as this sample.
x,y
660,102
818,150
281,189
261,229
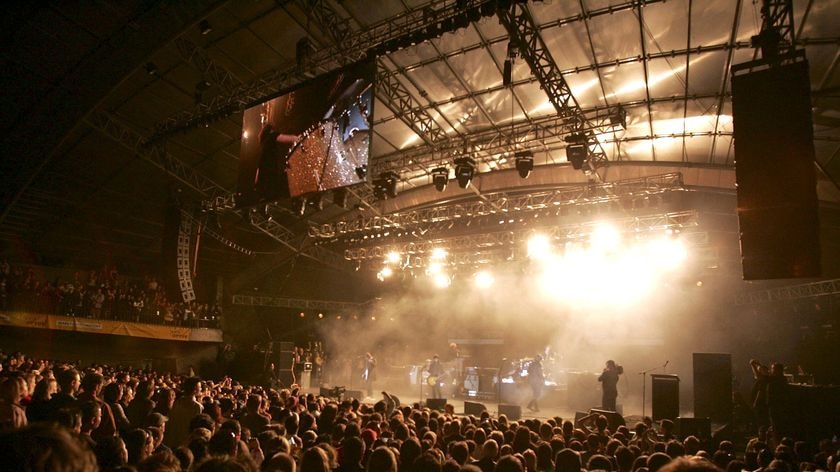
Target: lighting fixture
x,y
464,171
385,186
524,163
440,177
204,27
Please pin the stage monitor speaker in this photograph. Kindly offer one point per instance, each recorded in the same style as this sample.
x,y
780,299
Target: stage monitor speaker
x,y
350,394
713,386
436,403
775,171
665,396
513,412
614,419
698,427
474,408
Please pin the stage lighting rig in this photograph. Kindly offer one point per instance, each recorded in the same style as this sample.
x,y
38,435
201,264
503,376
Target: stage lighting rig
x,y
464,171
440,177
577,150
524,163
385,186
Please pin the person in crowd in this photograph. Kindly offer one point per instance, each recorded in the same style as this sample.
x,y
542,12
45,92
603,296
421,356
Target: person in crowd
x,y
69,381
38,408
536,380
183,411
92,385
12,413
435,379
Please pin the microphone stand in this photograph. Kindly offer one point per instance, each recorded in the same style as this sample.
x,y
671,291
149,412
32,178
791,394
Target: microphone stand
x,y
644,384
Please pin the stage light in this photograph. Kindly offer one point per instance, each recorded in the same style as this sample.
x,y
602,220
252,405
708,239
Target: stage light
x,y
483,279
299,205
668,252
539,247
384,273
464,171
442,281
605,236
618,117
439,253
440,177
577,154
320,316
524,163
385,186
393,257
434,268
204,27
301,314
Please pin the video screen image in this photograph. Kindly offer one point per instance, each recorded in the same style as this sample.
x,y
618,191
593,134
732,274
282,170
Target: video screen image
x,y
314,138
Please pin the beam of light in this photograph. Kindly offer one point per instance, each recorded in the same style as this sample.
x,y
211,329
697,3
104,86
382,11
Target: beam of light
x,y
442,280
667,252
393,257
434,268
539,247
439,253
483,279
605,237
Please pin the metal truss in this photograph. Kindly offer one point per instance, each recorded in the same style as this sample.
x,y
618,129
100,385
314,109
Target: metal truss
x,y
477,243
212,72
215,235
504,204
525,33
794,292
328,20
158,157
298,303
354,47
778,15
399,100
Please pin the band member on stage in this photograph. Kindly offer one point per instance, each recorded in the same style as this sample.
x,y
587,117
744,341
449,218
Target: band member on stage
x,y
609,384
435,370
369,373
537,379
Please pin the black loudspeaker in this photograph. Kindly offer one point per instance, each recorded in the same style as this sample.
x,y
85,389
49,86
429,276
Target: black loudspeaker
x,y
665,396
474,408
614,419
713,386
350,394
436,403
698,427
774,171
513,412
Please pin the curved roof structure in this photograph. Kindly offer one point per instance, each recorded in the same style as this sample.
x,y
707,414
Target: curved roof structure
x,y
109,108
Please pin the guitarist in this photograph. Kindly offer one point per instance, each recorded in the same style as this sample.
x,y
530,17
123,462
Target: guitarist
x,y
436,371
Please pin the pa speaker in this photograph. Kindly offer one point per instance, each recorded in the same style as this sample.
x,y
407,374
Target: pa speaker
x,y
436,403
513,412
474,408
665,396
713,386
614,419
357,394
698,427
775,171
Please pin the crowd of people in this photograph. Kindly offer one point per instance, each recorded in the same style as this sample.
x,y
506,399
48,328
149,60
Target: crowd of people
x,y
57,416
102,294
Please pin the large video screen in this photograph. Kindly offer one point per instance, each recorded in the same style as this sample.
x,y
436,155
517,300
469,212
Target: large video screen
x,y
311,139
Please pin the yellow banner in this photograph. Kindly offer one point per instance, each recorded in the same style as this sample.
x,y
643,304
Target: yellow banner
x,y
119,328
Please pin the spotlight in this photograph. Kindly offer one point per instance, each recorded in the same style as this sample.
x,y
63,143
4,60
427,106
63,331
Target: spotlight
x,y
393,257
302,314
316,201
438,253
361,172
385,186
434,268
539,247
618,117
576,154
299,206
384,273
464,171
483,279
320,316
605,236
440,177
442,281
204,27
524,163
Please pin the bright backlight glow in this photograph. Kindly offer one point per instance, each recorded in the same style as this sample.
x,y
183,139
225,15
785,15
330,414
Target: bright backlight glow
x,y
393,257
605,237
539,247
442,280
483,279
438,253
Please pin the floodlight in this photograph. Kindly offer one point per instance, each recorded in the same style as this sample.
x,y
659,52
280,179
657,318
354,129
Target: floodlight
x,y
539,247
393,257
439,253
524,163
483,279
442,280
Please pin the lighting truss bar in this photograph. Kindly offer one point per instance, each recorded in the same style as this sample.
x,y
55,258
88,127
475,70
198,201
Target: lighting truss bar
x,y
354,47
158,157
218,237
507,237
394,95
524,32
299,303
210,71
794,292
502,203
